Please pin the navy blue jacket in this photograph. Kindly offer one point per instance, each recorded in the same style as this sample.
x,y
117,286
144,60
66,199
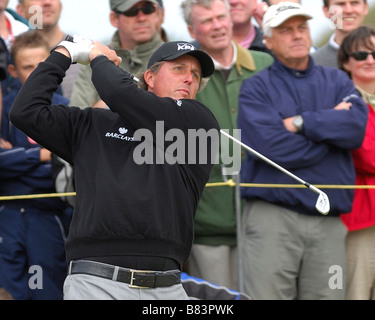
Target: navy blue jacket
x,y
21,172
320,154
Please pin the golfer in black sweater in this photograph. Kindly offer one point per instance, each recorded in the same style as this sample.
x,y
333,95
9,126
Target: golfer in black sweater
x,y
139,168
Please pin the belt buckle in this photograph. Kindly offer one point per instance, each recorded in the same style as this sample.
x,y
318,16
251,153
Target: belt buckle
x,y
133,286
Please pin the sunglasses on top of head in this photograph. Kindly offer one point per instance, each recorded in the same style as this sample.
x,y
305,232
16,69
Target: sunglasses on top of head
x,y
148,8
362,55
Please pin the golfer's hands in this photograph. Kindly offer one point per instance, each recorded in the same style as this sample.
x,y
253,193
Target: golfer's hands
x,y
79,49
99,49
82,50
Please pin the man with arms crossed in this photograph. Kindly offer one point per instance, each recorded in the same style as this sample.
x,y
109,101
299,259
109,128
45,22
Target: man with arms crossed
x,y
307,118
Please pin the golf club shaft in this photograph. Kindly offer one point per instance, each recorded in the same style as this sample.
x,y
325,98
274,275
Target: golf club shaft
x,y
259,155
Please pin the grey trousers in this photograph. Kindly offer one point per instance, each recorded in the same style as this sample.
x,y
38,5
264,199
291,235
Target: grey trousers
x,y
287,255
87,287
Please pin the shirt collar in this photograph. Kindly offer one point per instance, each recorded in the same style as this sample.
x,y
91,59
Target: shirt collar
x,y
219,66
333,43
367,97
248,40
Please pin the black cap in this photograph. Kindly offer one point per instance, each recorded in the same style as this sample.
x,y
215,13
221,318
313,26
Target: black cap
x,y
172,50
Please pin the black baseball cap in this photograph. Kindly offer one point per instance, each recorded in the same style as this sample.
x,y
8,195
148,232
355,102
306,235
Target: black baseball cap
x,y
174,49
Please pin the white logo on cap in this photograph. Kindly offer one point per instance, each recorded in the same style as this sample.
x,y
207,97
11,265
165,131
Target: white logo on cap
x,y
284,8
185,46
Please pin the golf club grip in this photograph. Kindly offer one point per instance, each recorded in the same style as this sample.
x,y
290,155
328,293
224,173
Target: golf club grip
x,y
69,38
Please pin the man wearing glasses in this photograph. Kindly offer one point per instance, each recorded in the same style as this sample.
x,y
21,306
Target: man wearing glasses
x,y
136,38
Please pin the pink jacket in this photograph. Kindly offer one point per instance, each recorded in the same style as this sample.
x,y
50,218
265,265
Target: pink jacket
x,y
363,210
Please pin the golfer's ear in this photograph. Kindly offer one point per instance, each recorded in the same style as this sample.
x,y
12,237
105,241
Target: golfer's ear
x,y
149,78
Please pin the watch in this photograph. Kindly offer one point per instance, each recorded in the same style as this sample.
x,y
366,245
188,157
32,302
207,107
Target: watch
x,y
298,122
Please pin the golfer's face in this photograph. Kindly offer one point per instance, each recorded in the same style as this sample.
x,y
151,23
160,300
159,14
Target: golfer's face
x,y
177,79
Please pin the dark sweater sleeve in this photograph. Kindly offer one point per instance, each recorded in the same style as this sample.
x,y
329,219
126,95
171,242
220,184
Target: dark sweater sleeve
x,y
33,113
142,108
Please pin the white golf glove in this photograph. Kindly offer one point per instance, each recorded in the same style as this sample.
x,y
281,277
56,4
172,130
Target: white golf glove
x,y
79,48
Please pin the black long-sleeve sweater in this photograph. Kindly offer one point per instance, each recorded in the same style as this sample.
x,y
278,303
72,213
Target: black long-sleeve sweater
x,y
123,208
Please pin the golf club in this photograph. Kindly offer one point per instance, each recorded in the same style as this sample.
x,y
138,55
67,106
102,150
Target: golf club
x,y
322,204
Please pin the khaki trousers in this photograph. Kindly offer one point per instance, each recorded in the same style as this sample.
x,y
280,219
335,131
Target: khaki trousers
x,y
216,264
361,264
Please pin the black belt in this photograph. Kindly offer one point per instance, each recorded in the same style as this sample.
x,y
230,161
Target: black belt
x,y
135,278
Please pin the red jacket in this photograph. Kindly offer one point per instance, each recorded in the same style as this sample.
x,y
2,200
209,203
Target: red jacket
x,y
363,210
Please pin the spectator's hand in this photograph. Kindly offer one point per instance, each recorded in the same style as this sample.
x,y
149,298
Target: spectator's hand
x,y
45,155
5,144
343,106
79,49
259,12
288,124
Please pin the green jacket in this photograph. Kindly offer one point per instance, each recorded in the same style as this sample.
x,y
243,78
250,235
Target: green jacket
x,y
135,61
215,221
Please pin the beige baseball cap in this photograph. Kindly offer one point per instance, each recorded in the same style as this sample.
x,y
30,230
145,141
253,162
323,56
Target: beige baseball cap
x,y
277,14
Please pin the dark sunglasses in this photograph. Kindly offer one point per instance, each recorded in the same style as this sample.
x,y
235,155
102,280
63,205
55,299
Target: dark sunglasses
x,y
132,12
362,55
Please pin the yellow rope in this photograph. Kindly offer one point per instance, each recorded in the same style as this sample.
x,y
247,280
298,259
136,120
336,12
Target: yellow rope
x,y
229,183
35,196
320,186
